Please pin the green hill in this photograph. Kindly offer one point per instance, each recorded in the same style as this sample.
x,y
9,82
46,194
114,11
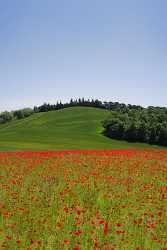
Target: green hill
x,y
70,128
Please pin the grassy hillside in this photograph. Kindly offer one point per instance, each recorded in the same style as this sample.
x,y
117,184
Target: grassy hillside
x,y
71,128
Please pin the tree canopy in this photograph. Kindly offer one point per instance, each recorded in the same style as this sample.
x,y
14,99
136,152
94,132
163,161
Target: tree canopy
x,y
147,125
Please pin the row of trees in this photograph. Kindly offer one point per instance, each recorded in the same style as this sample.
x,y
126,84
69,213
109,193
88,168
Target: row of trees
x,y
17,114
77,102
115,106
147,125
127,122
22,113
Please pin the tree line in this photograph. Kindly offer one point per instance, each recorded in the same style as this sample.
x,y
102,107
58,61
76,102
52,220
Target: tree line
x,y
148,125
126,122
17,114
115,106
72,103
7,116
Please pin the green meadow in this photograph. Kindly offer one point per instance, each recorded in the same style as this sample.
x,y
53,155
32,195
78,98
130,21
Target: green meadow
x,y
70,128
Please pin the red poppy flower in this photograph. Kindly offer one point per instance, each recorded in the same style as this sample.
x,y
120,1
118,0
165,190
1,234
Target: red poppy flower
x,y
31,241
39,242
119,225
77,232
105,228
66,241
101,222
8,237
120,231
18,241
76,248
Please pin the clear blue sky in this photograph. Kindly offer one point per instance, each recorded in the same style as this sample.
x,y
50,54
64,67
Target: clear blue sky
x,y
108,49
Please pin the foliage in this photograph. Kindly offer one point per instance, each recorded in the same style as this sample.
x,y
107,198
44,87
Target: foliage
x,y
6,117
147,125
114,106
22,113
18,114
73,103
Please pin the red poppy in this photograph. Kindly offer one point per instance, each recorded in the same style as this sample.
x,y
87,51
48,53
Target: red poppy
x,y
76,218
66,241
39,242
105,228
8,237
119,225
77,232
120,231
18,241
76,248
135,222
66,209
101,222
31,241
96,245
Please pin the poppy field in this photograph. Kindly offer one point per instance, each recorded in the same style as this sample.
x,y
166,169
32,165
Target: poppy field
x,y
84,200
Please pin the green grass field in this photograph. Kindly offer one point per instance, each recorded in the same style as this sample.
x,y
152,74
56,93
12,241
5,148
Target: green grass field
x,y
70,128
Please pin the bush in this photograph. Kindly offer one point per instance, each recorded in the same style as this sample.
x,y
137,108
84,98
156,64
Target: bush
x,y
22,113
6,117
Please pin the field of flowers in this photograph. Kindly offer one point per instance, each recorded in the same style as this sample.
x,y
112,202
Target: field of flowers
x,y
84,200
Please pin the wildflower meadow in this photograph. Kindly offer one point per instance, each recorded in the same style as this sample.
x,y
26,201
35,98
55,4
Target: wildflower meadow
x,y
84,200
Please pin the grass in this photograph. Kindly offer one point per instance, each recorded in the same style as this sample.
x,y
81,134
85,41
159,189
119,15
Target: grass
x,y
83,201
71,128
79,200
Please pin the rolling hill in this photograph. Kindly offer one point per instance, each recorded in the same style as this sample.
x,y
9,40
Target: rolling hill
x,y
70,128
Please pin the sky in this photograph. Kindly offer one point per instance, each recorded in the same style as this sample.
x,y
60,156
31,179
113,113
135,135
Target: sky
x,y
113,50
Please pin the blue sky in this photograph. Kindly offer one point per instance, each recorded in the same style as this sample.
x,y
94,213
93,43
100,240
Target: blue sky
x,y
58,49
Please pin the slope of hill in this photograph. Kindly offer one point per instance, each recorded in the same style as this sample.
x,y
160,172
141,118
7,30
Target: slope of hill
x,y
70,128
